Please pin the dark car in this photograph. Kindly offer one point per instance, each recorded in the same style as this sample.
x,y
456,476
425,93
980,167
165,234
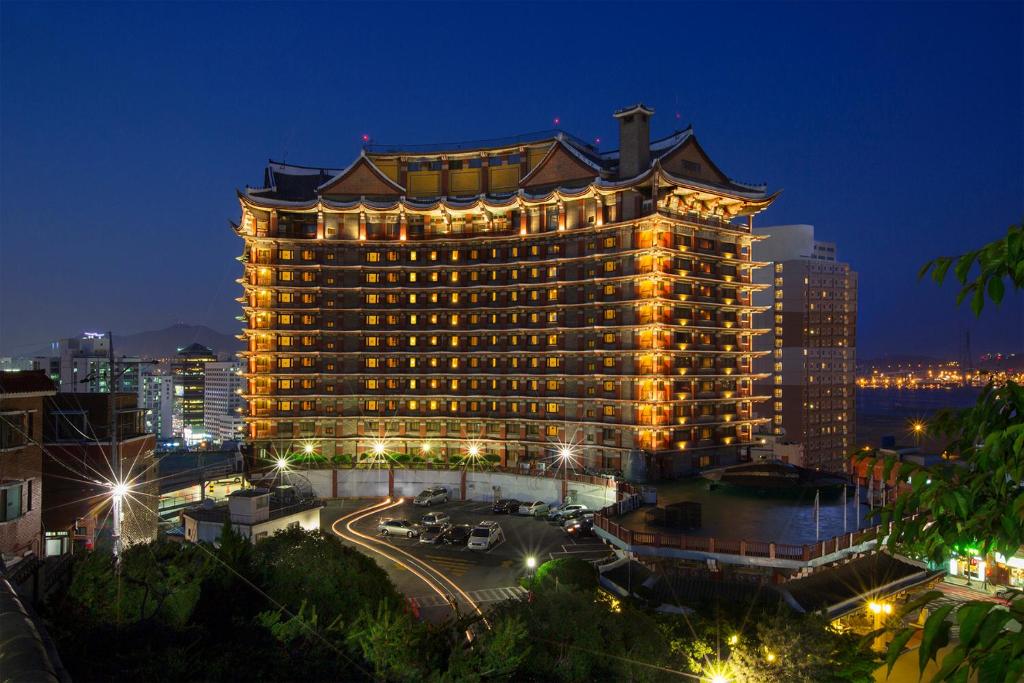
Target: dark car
x,y
580,527
505,506
456,535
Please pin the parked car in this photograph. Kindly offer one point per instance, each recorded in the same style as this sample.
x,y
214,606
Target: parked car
x,y
428,497
433,533
561,513
580,527
537,507
435,518
574,514
397,527
485,536
456,535
505,506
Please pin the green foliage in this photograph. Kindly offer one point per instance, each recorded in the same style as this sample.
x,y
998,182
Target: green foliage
x,y
784,648
159,581
802,648
567,572
175,612
581,636
977,501
993,263
391,643
299,566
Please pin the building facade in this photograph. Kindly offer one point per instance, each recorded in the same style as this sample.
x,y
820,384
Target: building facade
x,y
811,364
82,365
224,403
156,398
78,471
505,298
189,371
23,397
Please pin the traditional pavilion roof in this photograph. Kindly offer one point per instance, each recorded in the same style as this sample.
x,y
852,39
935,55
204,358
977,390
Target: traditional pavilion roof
x,y
568,164
195,349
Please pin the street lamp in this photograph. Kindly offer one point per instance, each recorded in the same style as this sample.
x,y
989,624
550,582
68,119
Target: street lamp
x,y
566,455
917,427
531,562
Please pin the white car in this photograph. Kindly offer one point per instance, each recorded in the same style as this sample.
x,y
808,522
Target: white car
x,y
485,536
435,518
537,507
397,527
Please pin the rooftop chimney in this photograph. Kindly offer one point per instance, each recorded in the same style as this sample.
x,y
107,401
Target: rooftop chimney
x,y
634,140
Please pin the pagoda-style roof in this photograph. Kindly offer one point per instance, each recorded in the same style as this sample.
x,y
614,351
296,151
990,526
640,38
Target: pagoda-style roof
x,y
568,169
561,165
361,178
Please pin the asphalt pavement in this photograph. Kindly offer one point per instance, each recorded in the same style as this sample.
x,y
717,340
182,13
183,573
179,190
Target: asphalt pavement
x,y
487,576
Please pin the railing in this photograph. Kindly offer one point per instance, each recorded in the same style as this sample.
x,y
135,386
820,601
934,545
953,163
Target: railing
x,y
743,548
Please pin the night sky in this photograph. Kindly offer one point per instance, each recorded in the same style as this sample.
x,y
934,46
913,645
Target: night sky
x,y
897,130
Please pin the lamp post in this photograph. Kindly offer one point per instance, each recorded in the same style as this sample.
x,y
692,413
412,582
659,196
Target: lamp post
x,y
566,455
918,429
119,488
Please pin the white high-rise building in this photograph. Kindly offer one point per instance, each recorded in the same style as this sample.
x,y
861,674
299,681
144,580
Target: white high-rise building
x,y
156,396
81,365
224,407
811,308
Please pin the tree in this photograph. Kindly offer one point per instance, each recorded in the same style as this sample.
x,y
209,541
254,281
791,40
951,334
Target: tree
x,y
765,642
172,611
785,648
569,572
979,501
579,635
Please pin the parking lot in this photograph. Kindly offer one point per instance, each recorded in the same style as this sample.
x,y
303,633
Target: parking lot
x,y
488,573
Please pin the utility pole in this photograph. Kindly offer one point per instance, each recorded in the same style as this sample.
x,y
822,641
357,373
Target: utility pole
x,y
115,464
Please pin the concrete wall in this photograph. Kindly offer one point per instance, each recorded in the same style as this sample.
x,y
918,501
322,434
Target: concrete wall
x,y
409,483
480,486
356,484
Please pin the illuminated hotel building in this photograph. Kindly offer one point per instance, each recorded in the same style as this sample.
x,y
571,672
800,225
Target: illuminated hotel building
x,y
511,294
813,315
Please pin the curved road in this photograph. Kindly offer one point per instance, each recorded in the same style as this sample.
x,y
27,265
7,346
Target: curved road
x,y
433,577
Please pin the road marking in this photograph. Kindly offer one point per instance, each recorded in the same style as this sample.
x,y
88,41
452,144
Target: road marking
x,y
480,596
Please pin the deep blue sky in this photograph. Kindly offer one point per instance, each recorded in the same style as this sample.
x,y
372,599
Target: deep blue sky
x,y
898,130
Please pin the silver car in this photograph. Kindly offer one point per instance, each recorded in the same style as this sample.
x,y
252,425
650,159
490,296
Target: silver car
x,y
435,518
566,511
537,507
397,527
433,533
428,497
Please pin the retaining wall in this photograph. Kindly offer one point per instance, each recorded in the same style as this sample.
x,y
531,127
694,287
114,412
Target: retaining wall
x,y
484,486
